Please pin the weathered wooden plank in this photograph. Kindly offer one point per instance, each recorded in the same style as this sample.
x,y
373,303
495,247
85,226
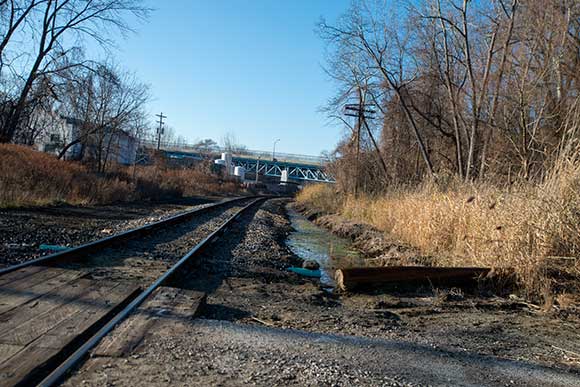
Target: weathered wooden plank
x,y
30,276
35,286
20,274
95,294
164,305
8,350
54,334
17,368
81,321
40,307
348,279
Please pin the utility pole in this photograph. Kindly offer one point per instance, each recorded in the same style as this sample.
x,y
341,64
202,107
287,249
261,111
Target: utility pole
x,y
160,129
362,113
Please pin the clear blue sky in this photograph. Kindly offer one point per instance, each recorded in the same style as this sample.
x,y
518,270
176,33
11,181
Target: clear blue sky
x,y
253,68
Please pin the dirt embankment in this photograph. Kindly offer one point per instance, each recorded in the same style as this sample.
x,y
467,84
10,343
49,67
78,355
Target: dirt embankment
x,y
373,244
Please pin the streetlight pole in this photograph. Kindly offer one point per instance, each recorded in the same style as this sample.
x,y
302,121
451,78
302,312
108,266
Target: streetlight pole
x,y
274,150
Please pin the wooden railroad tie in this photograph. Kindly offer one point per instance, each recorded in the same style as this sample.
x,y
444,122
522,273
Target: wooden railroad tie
x,y
349,279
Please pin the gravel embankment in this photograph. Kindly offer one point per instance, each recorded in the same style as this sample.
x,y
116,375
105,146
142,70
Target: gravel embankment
x,y
22,231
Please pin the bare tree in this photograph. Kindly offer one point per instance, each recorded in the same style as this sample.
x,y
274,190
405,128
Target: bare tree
x,y
373,31
13,13
53,24
105,104
475,88
231,144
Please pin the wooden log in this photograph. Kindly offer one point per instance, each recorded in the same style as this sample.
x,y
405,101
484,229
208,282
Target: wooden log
x,y
349,279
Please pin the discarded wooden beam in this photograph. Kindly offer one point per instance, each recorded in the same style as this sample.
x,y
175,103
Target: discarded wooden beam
x,y
349,279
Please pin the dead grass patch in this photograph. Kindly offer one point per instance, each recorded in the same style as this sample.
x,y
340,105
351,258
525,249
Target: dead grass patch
x,y
527,228
31,178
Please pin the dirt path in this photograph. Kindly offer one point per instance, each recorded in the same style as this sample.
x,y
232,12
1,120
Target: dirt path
x,y
211,352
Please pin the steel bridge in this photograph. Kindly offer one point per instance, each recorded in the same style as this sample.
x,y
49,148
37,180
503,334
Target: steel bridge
x,y
296,171
299,167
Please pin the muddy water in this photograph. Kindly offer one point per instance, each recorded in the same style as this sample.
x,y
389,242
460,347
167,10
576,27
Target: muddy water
x,y
311,242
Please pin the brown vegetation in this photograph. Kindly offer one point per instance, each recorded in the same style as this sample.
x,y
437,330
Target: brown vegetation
x,y
467,140
534,230
28,177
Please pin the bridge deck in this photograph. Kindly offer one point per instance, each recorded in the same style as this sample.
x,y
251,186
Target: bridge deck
x,y
308,171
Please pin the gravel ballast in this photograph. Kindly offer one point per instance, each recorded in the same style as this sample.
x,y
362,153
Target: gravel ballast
x,y
145,258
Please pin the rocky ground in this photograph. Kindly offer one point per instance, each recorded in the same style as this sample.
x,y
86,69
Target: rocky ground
x,y
23,231
265,326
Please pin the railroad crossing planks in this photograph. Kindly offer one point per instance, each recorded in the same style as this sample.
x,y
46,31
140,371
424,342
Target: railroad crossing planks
x,y
19,274
33,284
44,314
165,305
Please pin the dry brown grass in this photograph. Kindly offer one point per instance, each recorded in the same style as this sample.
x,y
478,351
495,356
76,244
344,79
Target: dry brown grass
x,y
31,178
533,229
322,197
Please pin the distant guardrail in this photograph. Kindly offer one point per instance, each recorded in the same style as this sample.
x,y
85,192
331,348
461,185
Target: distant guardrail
x,y
249,153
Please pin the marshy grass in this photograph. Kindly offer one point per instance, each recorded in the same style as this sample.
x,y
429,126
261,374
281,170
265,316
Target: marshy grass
x,y
532,229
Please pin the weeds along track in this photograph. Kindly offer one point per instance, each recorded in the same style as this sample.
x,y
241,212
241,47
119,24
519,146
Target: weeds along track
x,y
53,310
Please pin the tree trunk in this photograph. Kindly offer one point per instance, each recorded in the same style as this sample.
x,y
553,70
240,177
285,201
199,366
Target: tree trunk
x,y
15,115
63,151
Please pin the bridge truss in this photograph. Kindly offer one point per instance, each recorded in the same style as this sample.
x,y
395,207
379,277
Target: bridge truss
x,y
275,168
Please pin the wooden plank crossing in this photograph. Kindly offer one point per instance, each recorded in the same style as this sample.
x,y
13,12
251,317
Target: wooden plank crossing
x,y
164,306
19,274
33,284
44,315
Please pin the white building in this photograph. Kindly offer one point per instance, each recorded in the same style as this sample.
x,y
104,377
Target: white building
x,y
59,131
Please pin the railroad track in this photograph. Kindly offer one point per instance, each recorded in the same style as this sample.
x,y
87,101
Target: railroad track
x,y
55,309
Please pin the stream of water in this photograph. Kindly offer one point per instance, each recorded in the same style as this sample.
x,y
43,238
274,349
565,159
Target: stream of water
x,y
311,242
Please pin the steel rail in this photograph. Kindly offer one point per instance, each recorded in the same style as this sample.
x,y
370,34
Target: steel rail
x,y
58,373
124,235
